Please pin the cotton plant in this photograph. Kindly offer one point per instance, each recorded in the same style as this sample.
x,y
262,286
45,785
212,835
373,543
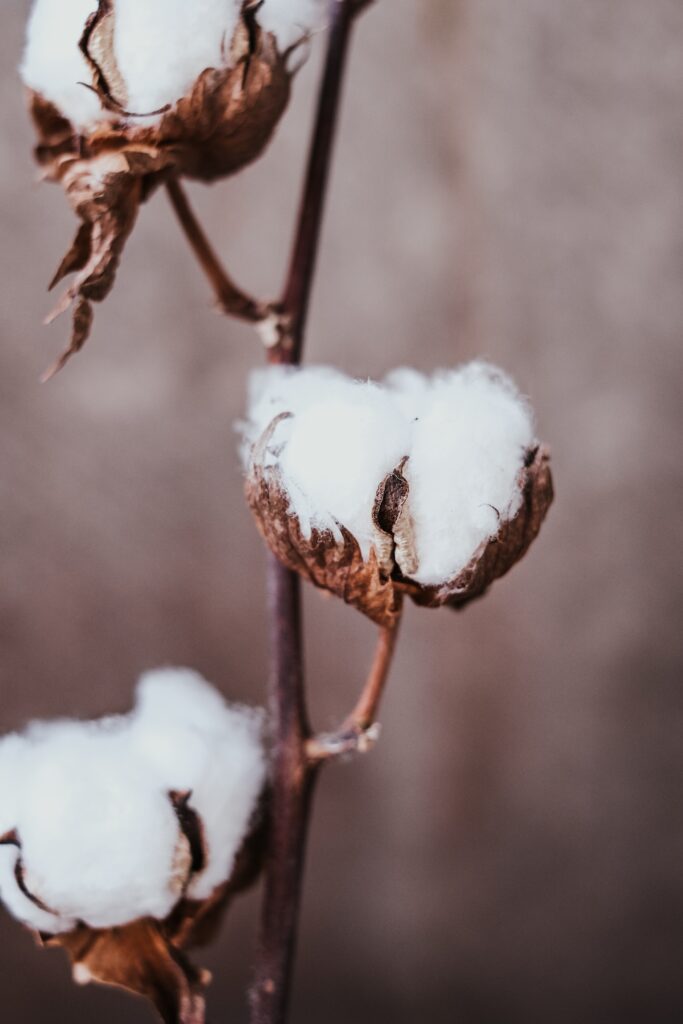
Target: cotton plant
x,y
126,95
122,838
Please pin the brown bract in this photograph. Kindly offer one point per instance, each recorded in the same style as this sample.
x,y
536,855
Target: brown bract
x,y
376,586
146,956
222,124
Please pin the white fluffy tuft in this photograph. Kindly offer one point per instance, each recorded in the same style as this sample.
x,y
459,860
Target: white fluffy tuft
x,y
53,65
192,740
162,46
464,431
99,838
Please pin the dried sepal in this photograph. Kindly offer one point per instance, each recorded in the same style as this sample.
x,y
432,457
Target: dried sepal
x,y
223,123
140,958
377,584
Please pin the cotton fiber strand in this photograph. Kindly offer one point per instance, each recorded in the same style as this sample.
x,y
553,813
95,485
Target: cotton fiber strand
x,y
463,433
88,805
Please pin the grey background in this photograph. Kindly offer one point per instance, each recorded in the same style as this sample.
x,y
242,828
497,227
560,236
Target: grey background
x,y
508,184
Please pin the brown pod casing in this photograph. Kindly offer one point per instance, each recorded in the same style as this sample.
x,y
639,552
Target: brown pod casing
x,y
222,124
375,586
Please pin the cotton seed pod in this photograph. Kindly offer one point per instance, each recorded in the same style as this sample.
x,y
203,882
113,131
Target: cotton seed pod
x,y
218,113
124,840
431,488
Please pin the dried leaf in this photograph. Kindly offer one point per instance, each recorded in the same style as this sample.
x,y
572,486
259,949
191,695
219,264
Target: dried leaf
x,y
106,196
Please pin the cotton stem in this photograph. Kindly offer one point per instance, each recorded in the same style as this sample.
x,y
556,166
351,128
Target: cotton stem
x,y
360,730
294,774
230,298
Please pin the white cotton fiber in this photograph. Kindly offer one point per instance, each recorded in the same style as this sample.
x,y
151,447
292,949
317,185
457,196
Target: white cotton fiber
x,y
19,904
162,46
53,65
89,803
98,842
466,455
464,433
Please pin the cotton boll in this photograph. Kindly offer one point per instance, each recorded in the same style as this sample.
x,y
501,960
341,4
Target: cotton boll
x,y
439,478
99,843
53,64
467,452
162,46
163,92
193,741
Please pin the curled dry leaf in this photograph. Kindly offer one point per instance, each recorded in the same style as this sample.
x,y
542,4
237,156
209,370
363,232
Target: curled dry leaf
x,y
223,123
146,957
376,586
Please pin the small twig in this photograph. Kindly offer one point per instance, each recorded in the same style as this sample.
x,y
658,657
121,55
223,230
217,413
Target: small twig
x,y
231,299
360,731
293,308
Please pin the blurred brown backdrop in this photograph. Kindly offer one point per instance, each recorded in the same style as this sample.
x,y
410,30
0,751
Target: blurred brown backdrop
x,y
508,184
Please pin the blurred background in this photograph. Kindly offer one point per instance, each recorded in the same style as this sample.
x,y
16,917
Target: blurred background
x,y
508,185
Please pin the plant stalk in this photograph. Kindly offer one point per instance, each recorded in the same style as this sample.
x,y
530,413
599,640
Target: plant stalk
x,y
294,774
